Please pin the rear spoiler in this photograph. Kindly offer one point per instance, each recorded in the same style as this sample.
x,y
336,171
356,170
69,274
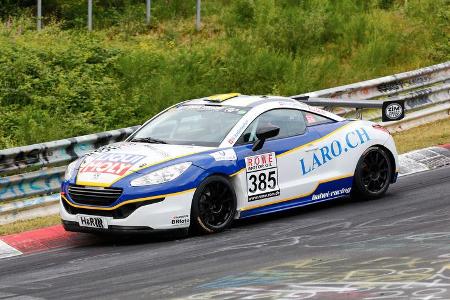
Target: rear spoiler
x,y
391,110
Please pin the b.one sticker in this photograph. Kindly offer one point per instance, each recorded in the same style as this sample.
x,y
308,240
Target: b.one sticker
x,y
262,176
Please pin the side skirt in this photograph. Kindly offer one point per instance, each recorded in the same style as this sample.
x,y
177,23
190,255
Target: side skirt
x,y
324,192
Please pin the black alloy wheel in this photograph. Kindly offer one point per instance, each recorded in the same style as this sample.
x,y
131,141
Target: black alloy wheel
x,y
373,174
214,205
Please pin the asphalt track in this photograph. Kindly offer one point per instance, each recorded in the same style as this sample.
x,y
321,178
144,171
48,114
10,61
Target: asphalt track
x,y
397,247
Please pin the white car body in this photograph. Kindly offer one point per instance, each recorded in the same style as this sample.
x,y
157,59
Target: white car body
x,y
319,168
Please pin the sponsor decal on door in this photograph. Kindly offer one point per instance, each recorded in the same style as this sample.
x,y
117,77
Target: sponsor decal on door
x,y
334,149
262,176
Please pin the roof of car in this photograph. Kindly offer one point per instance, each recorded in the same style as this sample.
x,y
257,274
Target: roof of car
x,y
236,99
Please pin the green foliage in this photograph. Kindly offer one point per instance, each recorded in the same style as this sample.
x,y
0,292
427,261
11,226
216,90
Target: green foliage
x,y
385,4
435,15
14,7
242,12
41,86
64,81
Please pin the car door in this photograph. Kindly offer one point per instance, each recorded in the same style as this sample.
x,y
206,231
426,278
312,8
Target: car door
x,y
333,157
273,177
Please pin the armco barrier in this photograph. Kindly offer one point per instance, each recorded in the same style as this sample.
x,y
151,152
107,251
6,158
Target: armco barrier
x,y
420,117
57,152
389,85
420,88
31,184
49,157
426,93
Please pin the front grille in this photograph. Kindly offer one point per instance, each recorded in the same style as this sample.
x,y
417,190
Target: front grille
x,y
119,213
97,196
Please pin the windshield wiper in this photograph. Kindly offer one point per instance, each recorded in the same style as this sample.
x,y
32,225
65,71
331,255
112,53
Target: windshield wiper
x,y
149,140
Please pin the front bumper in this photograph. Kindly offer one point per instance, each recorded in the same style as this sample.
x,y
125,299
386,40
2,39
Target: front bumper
x,y
160,215
74,226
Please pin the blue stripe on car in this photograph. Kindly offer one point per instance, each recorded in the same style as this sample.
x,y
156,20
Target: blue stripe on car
x,y
325,191
204,165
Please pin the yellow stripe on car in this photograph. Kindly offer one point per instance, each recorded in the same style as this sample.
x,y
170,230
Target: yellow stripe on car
x,y
100,184
316,141
301,146
222,97
126,202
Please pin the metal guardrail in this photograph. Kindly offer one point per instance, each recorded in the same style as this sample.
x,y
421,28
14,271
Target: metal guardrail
x,y
426,92
31,184
388,85
419,88
420,117
57,152
51,157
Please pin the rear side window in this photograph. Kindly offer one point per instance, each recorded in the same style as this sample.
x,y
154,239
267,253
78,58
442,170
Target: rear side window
x,y
315,119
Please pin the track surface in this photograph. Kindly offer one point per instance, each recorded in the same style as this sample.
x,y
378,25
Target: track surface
x,y
397,247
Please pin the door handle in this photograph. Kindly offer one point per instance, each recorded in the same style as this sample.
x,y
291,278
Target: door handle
x,y
311,148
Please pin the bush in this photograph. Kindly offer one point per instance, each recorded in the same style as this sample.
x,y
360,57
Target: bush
x,y
64,81
53,89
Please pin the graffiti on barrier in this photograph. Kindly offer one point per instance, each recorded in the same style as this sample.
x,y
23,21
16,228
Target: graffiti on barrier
x,y
66,150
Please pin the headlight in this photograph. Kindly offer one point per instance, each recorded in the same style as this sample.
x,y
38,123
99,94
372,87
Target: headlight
x,y
161,175
70,170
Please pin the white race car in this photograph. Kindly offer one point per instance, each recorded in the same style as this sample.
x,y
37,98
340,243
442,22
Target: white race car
x,y
203,163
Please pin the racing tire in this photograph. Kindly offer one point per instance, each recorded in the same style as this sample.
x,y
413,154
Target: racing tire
x,y
213,205
372,175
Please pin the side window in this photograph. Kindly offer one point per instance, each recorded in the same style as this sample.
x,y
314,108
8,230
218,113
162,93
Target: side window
x,y
290,121
314,119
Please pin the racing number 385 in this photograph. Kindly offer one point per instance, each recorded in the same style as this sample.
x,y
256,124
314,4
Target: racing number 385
x,y
262,176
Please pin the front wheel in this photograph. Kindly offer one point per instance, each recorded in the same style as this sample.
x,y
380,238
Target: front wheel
x,y
213,205
373,174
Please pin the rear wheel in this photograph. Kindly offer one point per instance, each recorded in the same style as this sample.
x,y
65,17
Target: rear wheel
x,y
213,205
373,174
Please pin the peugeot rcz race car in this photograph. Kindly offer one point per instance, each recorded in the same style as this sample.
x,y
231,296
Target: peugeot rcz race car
x,y
202,163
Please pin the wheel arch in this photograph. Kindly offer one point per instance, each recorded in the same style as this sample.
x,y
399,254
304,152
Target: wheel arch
x,y
206,176
391,160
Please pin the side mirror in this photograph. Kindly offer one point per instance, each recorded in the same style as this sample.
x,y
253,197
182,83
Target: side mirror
x,y
263,134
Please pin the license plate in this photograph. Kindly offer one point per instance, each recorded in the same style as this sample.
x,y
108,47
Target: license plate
x,y
92,221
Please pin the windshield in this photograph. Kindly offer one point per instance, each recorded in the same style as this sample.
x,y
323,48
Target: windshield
x,y
197,125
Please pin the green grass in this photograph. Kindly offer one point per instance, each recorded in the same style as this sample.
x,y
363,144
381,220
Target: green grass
x,y
26,225
63,81
437,133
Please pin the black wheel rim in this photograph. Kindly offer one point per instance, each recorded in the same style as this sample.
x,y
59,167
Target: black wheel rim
x,y
375,171
216,205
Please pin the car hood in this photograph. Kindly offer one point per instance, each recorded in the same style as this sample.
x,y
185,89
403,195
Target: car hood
x,y
113,162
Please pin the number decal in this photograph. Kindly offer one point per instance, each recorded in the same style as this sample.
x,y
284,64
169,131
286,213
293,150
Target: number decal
x,y
272,179
262,182
254,186
262,176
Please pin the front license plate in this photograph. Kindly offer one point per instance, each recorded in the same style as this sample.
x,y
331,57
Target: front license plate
x,y
92,221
